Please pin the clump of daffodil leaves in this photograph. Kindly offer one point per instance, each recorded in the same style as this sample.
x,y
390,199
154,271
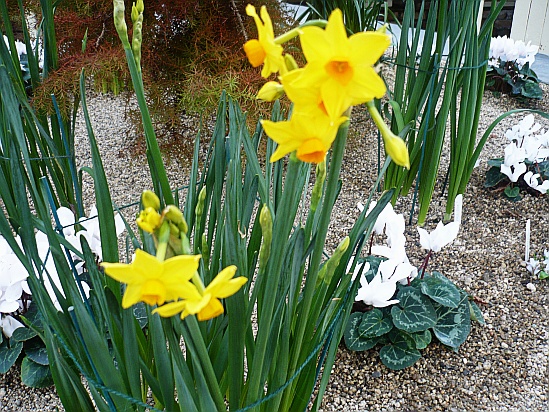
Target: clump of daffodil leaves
x,y
156,280
339,74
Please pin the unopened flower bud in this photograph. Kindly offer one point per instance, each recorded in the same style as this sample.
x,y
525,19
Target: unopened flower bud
x,y
291,64
135,13
149,220
266,222
319,183
394,145
270,92
175,216
149,199
327,271
140,6
199,209
120,22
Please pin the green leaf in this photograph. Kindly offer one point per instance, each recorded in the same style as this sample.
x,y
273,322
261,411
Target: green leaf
x,y
543,275
34,374
422,339
494,177
414,312
495,163
398,356
353,339
9,352
440,289
36,351
512,192
374,324
453,324
23,334
531,90
140,314
476,313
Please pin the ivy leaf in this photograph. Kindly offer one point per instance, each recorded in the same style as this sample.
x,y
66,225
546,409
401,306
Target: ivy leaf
x,y
353,339
374,324
414,312
440,289
453,324
35,375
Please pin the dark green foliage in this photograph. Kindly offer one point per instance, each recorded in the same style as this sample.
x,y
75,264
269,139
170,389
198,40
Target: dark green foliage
x,y
516,81
432,303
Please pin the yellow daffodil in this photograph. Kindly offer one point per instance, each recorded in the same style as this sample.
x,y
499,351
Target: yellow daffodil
x,y
264,50
149,220
307,100
205,304
312,137
151,281
342,65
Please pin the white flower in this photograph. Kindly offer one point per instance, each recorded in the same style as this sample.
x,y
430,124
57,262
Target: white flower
x,y
92,232
513,171
443,234
9,324
507,50
532,180
533,267
376,293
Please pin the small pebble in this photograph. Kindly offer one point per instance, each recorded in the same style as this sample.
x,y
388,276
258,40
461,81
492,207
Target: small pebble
x,y
531,287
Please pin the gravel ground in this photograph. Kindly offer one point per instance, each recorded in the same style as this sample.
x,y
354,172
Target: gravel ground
x,y
501,367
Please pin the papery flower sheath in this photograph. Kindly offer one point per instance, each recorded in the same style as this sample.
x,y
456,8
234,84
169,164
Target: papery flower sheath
x,y
310,136
341,65
206,304
154,282
264,50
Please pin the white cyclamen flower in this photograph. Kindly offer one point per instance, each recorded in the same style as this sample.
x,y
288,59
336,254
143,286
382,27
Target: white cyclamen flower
x,y
443,234
9,324
514,171
533,266
531,180
376,293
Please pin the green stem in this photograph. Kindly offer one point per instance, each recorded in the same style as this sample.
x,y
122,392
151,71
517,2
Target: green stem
x,y
310,285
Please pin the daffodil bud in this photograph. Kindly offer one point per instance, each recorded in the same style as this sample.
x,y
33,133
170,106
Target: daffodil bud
x,y
205,249
291,64
140,6
149,220
149,199
270,92
394,145
175,216
137,37
199,209
135,13
327,271
319,183
120,22
266,222
174,230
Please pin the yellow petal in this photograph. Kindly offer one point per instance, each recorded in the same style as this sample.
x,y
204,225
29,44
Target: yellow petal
x,y
170,309
132,295
213,309
181,267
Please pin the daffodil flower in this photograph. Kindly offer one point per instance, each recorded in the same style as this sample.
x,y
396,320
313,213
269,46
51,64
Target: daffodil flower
x,y
264,50
341,65
154,282
310,136
206,304
149,220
